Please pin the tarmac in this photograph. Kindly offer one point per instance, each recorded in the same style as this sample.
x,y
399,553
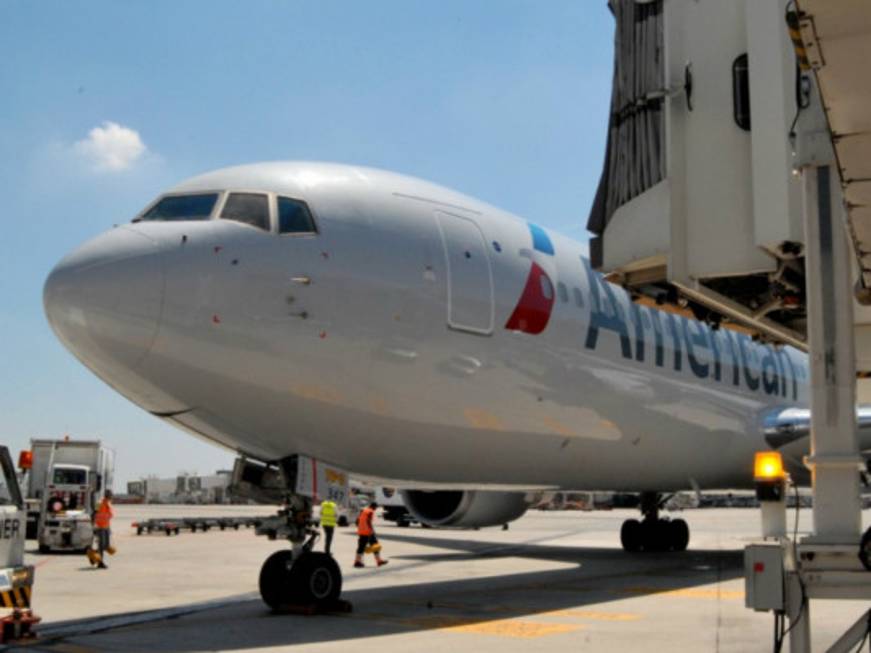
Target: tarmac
x,y
555,581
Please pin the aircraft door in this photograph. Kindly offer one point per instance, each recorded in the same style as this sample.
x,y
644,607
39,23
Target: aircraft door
x,y
470,278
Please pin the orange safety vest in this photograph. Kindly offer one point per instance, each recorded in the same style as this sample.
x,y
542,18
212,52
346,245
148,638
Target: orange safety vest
x,y
364,522
104,515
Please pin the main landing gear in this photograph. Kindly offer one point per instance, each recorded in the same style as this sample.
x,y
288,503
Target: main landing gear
x,y
654,533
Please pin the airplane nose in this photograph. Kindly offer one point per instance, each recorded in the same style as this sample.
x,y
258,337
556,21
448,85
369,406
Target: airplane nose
x,y
104,300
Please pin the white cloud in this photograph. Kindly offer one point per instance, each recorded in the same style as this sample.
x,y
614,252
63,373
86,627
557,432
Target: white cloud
x,y
111,147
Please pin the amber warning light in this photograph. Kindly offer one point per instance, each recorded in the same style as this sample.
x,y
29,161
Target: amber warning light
x,y
25,459
768,466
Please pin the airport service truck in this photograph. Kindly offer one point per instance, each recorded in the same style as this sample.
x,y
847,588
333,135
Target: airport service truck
x,y
16,578
66,480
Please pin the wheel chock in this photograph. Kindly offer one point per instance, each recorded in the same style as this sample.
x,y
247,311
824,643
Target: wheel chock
x,y
18,626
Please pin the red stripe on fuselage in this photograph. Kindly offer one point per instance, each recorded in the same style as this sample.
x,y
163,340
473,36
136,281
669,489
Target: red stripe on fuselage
x,y
534,307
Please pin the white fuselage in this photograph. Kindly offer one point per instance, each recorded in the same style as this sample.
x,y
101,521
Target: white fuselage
x,y
419,335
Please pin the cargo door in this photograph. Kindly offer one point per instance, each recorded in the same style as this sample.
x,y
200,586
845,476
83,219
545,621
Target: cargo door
x,y
470,279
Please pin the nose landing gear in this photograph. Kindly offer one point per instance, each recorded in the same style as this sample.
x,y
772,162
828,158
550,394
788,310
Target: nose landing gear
x,y
654,533
302,580
313,578
299,580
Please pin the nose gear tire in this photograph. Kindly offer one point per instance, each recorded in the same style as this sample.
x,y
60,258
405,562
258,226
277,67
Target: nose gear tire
x,y
313,578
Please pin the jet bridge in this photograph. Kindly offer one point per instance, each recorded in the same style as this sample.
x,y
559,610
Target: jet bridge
x,y
736,188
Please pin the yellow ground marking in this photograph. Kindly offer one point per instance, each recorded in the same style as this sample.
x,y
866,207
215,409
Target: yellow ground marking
x,y
558,427
686,593
482,419
500,627
593,615
517,628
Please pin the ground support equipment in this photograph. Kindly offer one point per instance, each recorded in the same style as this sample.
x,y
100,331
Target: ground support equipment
x,y
174,525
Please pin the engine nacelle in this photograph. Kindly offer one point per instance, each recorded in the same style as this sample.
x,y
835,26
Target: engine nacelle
x,y
466,508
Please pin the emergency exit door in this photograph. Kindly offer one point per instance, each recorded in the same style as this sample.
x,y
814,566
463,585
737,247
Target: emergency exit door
x,y
469,277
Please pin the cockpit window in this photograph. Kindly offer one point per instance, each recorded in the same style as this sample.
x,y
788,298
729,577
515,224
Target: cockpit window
x,y
182,207
294,217
5,493
9,491
69,476
250,208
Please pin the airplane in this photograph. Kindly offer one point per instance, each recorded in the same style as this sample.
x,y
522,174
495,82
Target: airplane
x,y
404,331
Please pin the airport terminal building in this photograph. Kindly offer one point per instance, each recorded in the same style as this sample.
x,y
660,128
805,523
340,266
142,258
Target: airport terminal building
x,y
184,488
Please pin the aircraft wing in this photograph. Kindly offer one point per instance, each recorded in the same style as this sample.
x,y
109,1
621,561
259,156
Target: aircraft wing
x,y
784,426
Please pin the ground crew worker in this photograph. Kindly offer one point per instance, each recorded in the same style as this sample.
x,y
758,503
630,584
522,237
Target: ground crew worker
x,y
366,540
328,522
103,527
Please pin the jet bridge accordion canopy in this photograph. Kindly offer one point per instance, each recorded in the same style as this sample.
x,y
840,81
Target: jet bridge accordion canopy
x,y
698,207
635,158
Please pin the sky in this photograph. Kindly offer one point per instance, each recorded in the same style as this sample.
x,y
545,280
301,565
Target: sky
x,y
103,105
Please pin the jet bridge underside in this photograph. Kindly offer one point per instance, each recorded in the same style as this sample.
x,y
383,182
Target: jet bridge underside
x,y
777,87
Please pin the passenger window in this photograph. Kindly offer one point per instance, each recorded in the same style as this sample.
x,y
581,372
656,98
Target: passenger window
x,y
562,291
181,207
294,217
579,297
250,208
9,492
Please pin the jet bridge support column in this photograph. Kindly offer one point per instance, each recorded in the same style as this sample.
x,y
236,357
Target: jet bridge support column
x,y
834,459
825,564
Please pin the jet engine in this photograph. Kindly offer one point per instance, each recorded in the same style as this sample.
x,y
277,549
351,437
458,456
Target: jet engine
x,y
465,508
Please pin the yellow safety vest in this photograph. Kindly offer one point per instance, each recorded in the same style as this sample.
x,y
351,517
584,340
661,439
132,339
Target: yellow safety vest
x,y
328,513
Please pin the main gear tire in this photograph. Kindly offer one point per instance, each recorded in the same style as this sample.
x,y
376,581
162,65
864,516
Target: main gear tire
x,y
631,535
680,535
654,535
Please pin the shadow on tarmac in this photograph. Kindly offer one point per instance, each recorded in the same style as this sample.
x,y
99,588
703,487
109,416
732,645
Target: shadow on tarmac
x,y
484,604
50,554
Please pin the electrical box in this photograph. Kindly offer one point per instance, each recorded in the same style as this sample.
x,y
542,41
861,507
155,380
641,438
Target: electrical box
x,y
763,577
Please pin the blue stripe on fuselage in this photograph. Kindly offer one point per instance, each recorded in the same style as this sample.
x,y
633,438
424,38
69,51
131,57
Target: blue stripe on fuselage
x,y
540,240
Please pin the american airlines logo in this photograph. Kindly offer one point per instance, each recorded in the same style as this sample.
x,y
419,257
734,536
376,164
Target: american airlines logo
x,y
671,341
535,305
721,355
